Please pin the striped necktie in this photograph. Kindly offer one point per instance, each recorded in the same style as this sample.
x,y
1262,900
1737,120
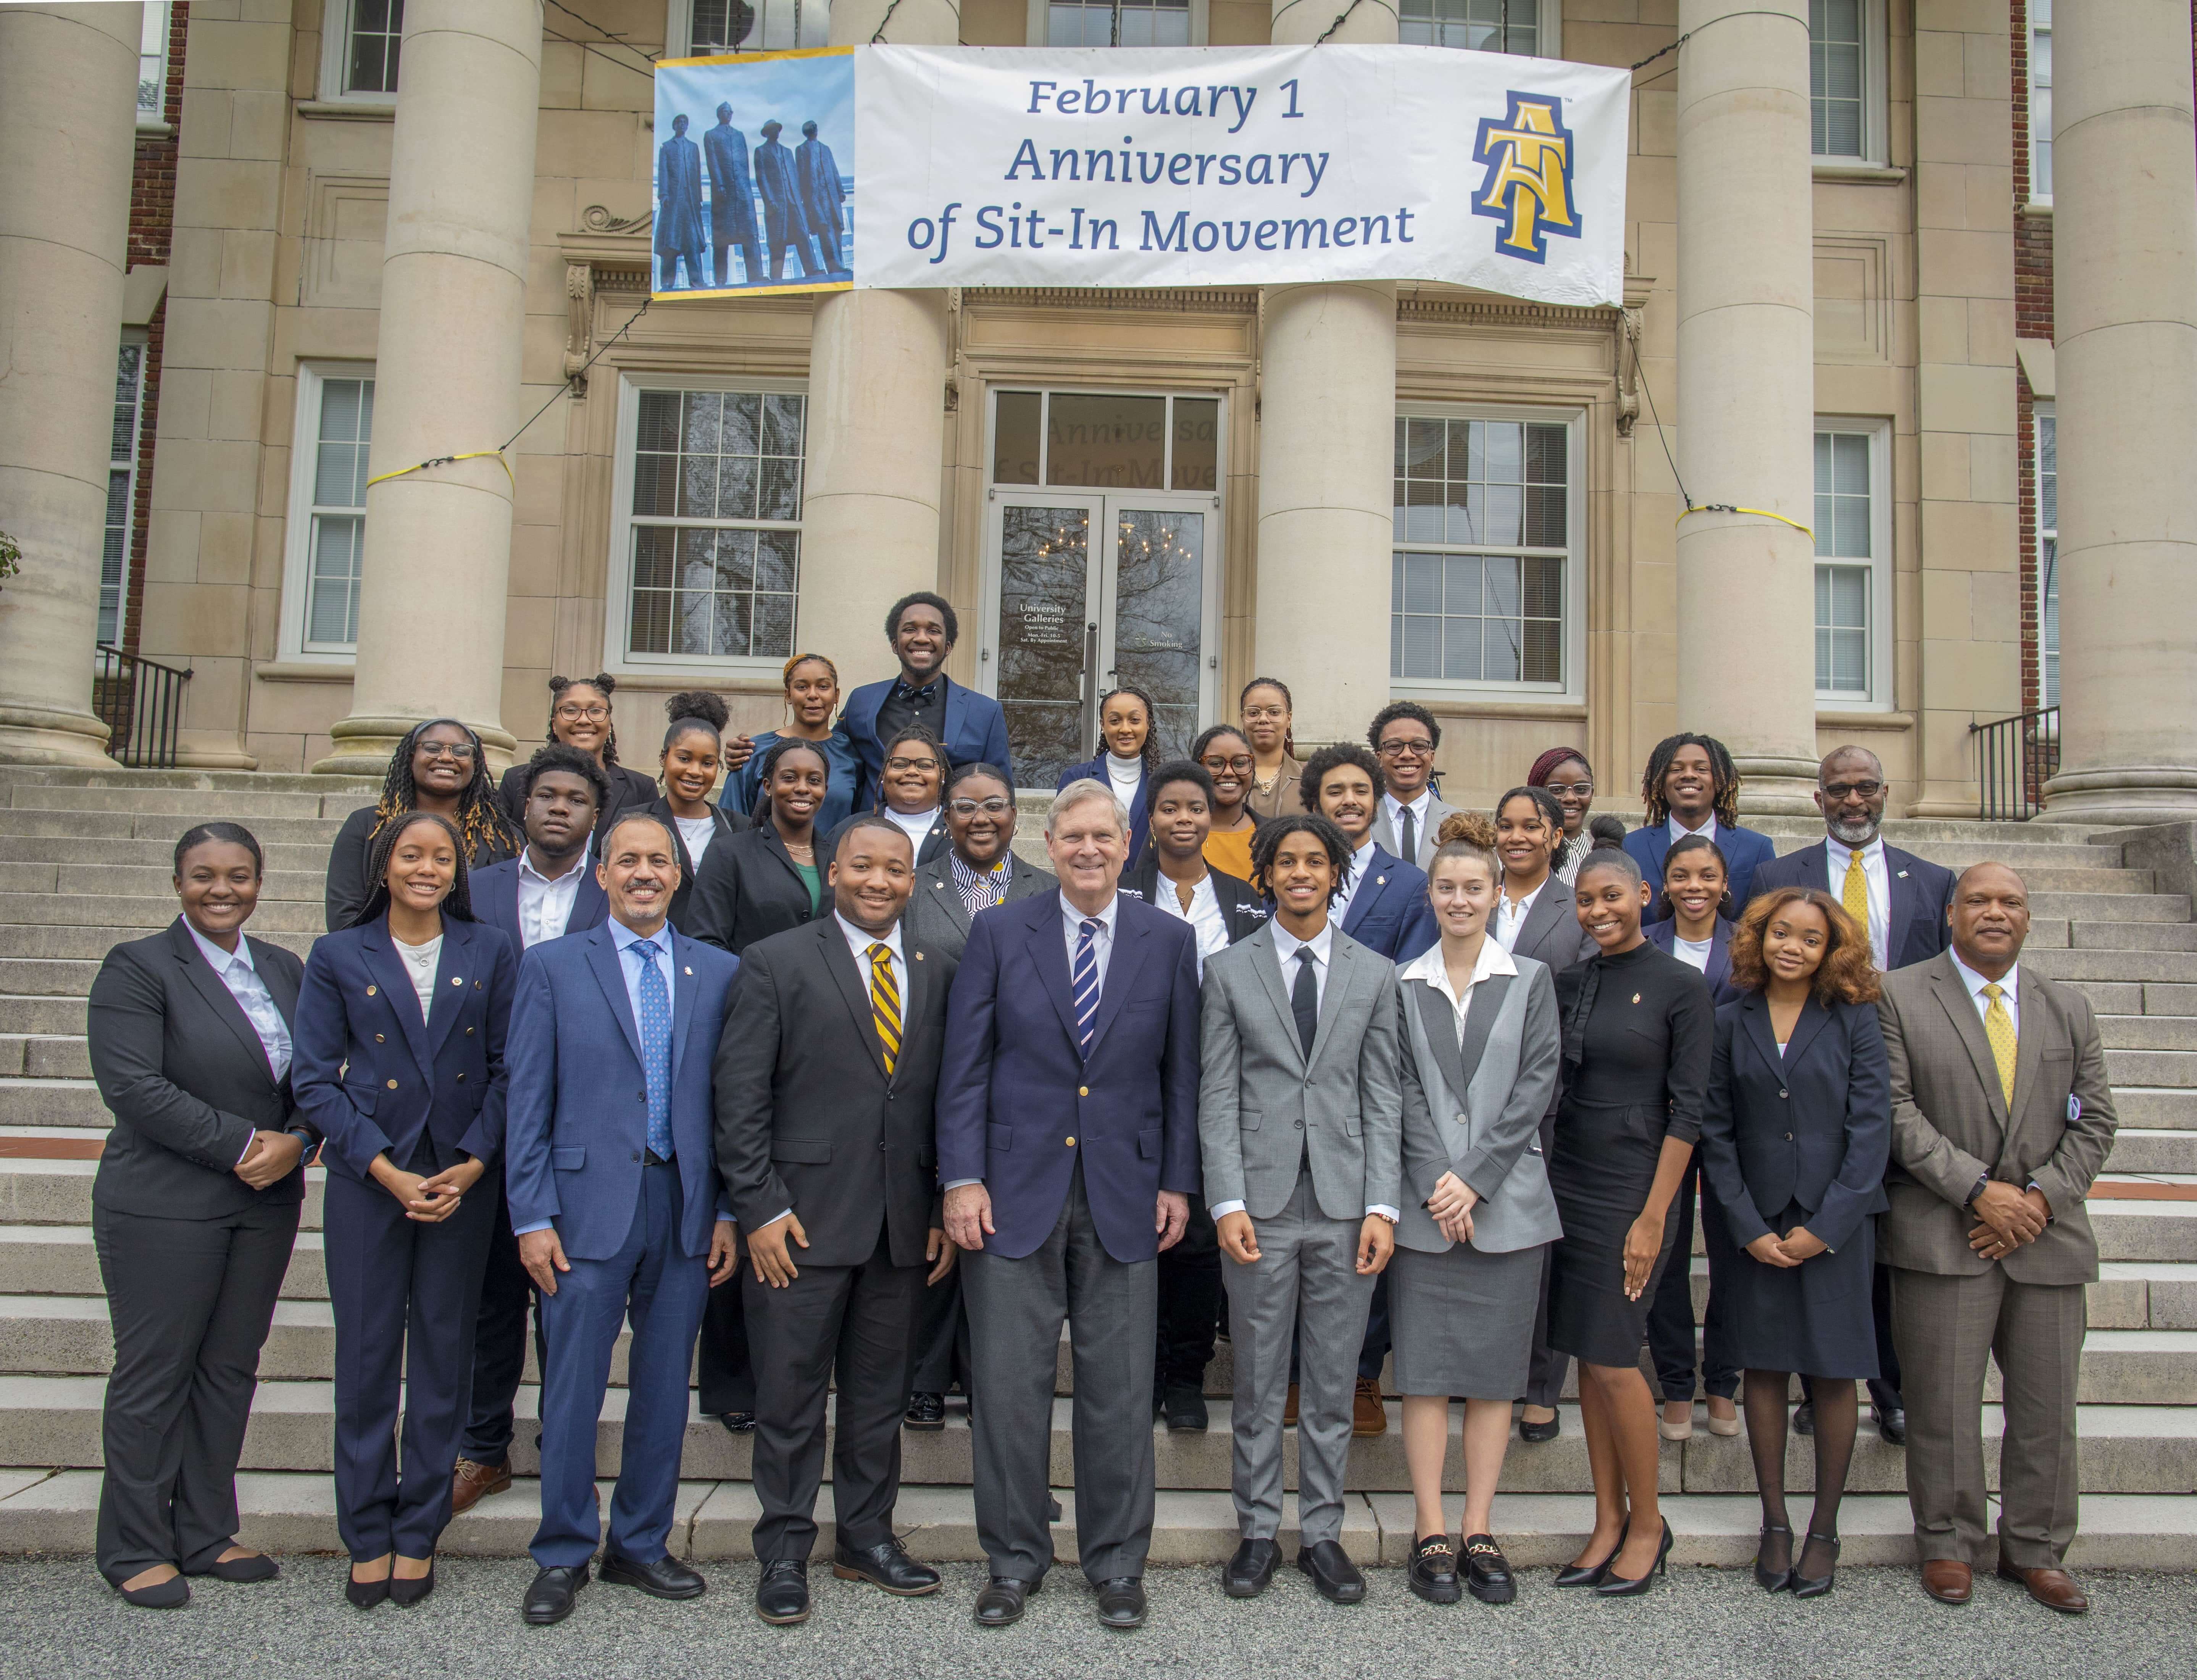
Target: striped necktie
x,y
1998,1028
884,1002
1083,981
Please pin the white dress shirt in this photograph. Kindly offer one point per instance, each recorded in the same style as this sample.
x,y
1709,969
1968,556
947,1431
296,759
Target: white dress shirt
x,y
697,832
2009,982
1510,920
1429,965
420,962
1678,831
1418,808
1358,861
1102,942
545,901
1878,875
236,972
913,824
1694,952
1206,921
859,942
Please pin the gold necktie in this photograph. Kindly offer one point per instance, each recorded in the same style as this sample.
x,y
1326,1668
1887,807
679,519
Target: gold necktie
x,y
884,1002
1853,895
1998,1028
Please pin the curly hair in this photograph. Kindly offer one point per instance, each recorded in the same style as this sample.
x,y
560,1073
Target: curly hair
x,y
1543,800
1847,973
1394,710
1330,758
558,756
1724,778
483,828
944,607
459,902
694,711
1466,834
604,684
1150,752
1268,841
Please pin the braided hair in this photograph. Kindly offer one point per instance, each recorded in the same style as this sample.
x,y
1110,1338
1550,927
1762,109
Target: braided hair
x,y
483,829
604,684
1149,754
1724,778
459,902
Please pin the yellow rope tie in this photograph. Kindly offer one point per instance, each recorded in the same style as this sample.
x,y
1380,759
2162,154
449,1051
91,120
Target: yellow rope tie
x,y
1760,513
496,455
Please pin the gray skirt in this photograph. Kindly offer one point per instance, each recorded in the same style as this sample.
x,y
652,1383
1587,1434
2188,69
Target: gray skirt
x,y
1462,1322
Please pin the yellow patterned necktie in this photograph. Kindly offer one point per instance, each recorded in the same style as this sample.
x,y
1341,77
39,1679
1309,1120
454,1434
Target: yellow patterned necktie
x,y
1853,895
1998,1028
884,1002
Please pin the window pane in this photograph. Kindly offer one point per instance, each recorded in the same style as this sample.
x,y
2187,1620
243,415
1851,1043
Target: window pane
x,y
377,29
1197,450
1842,629
1480,26
1835,76
1015,436
1112,443
332,589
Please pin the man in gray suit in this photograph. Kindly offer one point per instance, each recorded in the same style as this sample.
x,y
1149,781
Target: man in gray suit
x,y
2001,1117
1301,1128
1404,736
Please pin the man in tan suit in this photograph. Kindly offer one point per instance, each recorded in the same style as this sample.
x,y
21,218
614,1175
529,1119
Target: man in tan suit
x,y
2001,1117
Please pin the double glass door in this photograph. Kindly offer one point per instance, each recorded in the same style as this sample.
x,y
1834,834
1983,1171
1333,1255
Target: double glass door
x,y
1101,568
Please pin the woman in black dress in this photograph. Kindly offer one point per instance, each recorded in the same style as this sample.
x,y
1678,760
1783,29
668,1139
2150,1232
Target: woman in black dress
x,y
1793,1140
580,716
1637,1029
769,878
439,768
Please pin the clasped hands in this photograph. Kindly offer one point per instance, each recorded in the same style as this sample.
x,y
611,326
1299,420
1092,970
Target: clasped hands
x,y
433,1198
270,1158
1797,1244
2007,1218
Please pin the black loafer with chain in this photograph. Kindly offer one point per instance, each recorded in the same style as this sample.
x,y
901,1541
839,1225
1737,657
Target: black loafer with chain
x,y
1433,1574
1487,1570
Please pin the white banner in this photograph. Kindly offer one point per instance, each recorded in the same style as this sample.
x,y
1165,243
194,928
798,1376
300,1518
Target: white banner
x,y
1240,166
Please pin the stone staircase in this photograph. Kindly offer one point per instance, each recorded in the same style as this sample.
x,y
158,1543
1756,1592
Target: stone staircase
x,y
84,862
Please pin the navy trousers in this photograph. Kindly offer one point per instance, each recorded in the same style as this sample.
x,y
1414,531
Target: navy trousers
x,y
405,1297
500,1343
1670,1313
653,1280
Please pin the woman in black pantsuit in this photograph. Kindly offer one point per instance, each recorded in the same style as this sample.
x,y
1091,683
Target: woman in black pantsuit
x,y
1638,1030
193,1213
1794,1141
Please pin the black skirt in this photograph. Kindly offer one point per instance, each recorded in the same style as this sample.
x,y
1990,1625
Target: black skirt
x,y
1813,1319
1601,1170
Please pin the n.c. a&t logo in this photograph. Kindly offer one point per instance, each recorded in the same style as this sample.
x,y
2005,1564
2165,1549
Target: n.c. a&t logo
x,y
1528,184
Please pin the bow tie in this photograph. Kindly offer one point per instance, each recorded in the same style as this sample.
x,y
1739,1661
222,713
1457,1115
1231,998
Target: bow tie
x,y
916,697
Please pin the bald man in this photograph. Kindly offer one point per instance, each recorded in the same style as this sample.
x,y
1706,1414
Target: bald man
x,y
2001,1117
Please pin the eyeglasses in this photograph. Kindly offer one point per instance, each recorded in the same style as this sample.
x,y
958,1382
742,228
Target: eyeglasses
x,y
1574,790
462,751
1263,713
1239,764
1845,790
969,808
1421,748
574,714
903,765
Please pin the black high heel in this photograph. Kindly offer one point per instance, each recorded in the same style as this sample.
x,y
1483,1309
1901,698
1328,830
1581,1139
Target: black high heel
x,y
405,1590
1616,1586
1769,1579
365,1595
1815,1586
1592,1574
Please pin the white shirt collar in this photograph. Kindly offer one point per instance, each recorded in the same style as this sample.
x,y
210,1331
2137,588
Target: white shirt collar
x,y
2009,982
1075,918
1429,966
1418,806
622,935
1838,851
528,871
1321,944
219,959
859,940
1678,831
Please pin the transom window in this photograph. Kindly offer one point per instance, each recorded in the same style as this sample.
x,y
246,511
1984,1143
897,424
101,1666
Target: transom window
x,y
1118,23
121,485
1852,559
1478,26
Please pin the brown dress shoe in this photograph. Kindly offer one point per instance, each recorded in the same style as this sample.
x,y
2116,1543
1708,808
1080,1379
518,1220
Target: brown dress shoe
x,y
2055,1588
471,1483
1946,1581
1367,1414
1290,1409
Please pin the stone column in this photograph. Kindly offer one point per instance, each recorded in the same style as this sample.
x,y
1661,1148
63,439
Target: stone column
x,y
2125,310
1746,653
876,426
68,118
447,377
1327,402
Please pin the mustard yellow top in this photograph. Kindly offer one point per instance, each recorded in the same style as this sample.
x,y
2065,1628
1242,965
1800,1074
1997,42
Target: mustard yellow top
x,y
1230,852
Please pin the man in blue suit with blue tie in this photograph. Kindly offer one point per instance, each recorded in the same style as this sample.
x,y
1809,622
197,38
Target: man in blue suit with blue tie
x,y
1691,786
611,1169
923,628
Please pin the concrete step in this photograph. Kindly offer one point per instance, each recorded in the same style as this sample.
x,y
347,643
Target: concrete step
x,y
60,775
2155,1106
43,1057
306,857
2142,1149
166,827
199,805
2145,1231
2145,967
2115,907
90,944
2089,934
32,1013
1791,832
2133,996
145,913
68,1102
2148,1032
2176,1069
73,878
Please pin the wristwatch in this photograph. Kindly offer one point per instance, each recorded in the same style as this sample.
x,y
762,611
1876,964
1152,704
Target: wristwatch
x,y
1977,1190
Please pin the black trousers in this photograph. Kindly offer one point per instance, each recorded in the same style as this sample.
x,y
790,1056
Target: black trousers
x,y
860,1323
500,1343
942,1339
190,1301
1545,1377
724,1373
1671,1314
1883,1390
1189,1303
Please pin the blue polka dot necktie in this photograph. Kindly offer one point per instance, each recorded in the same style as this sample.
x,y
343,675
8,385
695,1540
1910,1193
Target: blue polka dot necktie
x,y
656,1045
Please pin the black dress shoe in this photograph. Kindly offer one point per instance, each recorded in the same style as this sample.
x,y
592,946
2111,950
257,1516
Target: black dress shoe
x,y
666,1578
1773,1558
1803,1418
1000,1603
257,1567
1616,1586
365,1595
1183,1407
1541,1432
405,1592
1433,1574
1591,1575
926,1411
1487,1570
1332,1572
886,1565
172,1594
736,1422
1891,1423
549,1599
1246,1574
782,1594
1122,1603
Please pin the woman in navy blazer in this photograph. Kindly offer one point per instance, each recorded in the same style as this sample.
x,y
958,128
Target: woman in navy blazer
x,y
1795,1137
399,1064
1126,761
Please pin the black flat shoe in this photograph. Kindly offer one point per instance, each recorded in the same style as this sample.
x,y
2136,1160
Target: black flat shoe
x,y
1772,1578
405,1592
1591,1575
736,1422
1183,1407
1433,1574
887,1566
365,1595
1487,1575
782,1594
1247,1574
1803,1418
1616,1586
172,1594
1122,1603
925,1412
1332,1572
550,1597
1891,1423
1815,1586
257,1567
666,1578
1541,1432
1001,1602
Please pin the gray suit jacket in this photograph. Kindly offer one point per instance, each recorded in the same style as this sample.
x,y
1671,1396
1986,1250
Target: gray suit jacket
x,y
1552,934
1384,832
1950,1122
1474,1109
1263,1104
937,916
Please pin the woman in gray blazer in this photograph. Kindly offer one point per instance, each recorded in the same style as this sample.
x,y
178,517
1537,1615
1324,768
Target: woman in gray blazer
x,y
1480,1040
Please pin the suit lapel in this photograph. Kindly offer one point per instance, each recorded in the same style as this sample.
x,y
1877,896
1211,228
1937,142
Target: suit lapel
x,y
1953,997
2029,1038
1049,951
855,991
918,999
280,986
1341,973
391,974
1122,969
1755,1013
1481,1010
1268,964
219,997
1814,1017
589,903
1720,969
1370,886
682,996
610,975
1547,905
1439,1020
1906,907
952,715
946,895
453,968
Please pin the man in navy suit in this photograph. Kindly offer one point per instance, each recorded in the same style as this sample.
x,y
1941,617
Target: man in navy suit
x,y
1067,1125
1692,787
922,628
1384,904
612,1172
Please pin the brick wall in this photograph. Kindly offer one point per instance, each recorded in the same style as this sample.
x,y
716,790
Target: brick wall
x,y
152,225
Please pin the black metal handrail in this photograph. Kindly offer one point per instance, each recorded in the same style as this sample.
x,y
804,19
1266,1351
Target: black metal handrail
x,y
2016,756
141,701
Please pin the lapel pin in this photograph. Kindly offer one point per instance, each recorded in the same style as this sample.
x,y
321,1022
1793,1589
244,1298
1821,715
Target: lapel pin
x,y
919,956
1903,875
690,973
1380,880
457,980
1636,997
369,990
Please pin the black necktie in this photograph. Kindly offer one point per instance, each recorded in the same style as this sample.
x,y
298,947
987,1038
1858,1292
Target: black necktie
x,y
1304,1000
1407,831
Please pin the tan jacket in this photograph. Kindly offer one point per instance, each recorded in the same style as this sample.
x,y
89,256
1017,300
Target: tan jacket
x,y
1951,1125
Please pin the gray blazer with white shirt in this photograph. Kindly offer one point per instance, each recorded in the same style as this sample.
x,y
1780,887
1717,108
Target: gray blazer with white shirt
x,y
1474,1109
1384,832
1263,1105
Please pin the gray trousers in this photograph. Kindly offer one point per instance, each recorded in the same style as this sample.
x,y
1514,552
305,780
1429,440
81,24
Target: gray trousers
x,y
1946,1328
1303,1287
1016,1310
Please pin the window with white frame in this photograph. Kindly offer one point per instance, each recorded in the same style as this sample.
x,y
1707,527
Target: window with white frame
x,y
1845,96
2040,98
327,534
706,27
153,66
1117,23
2047,557
707,529
121,485
1485,589
360,46
1480,25
1853,564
